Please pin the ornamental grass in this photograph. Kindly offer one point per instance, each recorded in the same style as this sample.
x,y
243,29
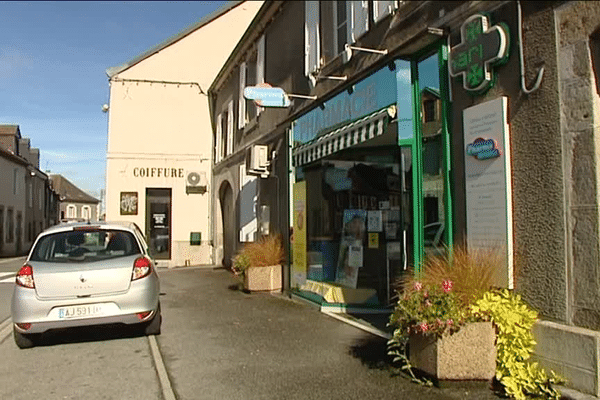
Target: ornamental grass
x,y
266,251
471,272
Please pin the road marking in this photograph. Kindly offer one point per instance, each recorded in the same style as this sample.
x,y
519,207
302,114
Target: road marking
x,y
161,370
5,329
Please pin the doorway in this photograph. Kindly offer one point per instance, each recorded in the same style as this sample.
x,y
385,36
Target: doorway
x,y
158,222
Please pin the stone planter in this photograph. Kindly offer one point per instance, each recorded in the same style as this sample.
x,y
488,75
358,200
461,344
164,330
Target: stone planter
x,y
469,354
263,279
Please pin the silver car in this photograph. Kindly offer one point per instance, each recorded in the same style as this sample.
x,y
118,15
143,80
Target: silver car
x,y
86,274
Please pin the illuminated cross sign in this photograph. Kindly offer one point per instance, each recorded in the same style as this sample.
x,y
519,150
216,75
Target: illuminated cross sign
x,y
266,96
482,46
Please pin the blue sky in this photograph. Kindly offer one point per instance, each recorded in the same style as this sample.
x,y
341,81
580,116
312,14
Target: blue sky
x,y
53,58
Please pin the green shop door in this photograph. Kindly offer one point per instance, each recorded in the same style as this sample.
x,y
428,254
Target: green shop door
x,y
425,148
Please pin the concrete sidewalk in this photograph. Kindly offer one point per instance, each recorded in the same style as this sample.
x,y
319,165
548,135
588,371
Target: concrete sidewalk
x,y
221,343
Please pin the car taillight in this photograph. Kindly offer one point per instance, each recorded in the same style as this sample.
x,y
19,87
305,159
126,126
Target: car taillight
x,y
25,277
141,267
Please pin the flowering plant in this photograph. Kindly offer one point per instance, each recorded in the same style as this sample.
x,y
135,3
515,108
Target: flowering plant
x,y
429,309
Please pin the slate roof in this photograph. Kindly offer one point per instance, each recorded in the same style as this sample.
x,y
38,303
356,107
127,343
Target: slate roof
x,y
69,192
112,71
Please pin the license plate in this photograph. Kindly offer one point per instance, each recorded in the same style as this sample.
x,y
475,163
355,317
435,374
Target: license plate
x,y
88,310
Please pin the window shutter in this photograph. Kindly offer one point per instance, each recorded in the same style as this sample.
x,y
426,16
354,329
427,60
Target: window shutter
x,y
230,128
359,18
382,8
218,144
311,37
260,64
242,100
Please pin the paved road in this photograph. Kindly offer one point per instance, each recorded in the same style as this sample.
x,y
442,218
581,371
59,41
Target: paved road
x,y
217,343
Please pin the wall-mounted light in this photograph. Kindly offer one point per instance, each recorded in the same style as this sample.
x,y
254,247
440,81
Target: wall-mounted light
x,y
347,54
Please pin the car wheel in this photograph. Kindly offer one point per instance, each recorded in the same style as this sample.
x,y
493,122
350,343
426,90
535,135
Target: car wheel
x,y
153,326
23,341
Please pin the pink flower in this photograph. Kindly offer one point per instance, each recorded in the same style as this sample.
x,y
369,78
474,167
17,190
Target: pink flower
x,y
424,327
425,294
427,303
418,286
438,321
450,322
447,285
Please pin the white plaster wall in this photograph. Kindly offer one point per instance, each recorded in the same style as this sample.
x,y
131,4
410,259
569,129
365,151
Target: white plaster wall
x,y
15,201
168,125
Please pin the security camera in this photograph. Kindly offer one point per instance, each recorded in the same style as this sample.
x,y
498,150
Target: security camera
x,y
104,107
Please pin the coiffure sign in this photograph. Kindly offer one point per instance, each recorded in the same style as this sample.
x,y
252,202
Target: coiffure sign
x,y
158,172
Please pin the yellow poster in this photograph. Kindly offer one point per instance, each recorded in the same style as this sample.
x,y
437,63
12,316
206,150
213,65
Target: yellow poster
x,y
298,275
374,240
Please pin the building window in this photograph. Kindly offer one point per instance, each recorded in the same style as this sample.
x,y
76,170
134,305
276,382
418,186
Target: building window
x,y
1,227
71,211
340,23
15,181
429,110
86,212
30,194
252,73
10,229
218,138
381,9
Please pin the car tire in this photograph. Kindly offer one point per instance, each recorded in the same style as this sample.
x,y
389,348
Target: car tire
x,y
22,340
153,326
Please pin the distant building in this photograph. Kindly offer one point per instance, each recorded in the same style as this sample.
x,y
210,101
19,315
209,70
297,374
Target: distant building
x,y
75,204
28,204
158,160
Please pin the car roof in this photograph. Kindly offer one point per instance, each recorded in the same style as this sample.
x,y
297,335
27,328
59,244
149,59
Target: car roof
x,y
68,226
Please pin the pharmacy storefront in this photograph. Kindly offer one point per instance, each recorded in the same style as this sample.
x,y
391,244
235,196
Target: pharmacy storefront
x,y
369,189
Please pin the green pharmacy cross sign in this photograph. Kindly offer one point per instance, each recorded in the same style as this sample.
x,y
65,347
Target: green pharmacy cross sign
x,y
482,46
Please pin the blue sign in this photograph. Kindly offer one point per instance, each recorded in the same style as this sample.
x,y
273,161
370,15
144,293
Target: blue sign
x,y
267,96
483,149
365,97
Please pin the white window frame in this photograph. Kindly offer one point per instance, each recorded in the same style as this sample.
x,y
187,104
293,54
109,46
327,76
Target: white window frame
x,y
336,27
218,139
260,65
86,212
242,100
229,132
71,211
312,46
382,9
359,19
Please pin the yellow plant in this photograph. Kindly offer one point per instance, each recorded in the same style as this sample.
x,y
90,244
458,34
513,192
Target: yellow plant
x,y
266,251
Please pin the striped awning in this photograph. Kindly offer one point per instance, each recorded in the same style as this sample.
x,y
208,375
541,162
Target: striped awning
x,y
342,138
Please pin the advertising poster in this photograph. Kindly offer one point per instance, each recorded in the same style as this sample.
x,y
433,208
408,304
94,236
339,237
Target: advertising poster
x,y
374,240
298,276
351,247
375,223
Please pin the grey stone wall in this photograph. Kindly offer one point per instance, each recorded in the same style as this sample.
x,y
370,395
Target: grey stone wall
x,y
575,22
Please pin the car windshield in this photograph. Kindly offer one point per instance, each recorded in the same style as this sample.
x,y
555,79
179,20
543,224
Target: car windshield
x,y
85,245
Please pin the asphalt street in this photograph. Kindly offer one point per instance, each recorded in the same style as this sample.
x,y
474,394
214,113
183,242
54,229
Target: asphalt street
x,y
221,343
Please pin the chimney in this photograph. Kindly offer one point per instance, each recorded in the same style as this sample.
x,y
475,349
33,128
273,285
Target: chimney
x,y
24,145
34,153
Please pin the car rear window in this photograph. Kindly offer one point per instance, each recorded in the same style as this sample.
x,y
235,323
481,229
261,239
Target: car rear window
x,y
85,245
